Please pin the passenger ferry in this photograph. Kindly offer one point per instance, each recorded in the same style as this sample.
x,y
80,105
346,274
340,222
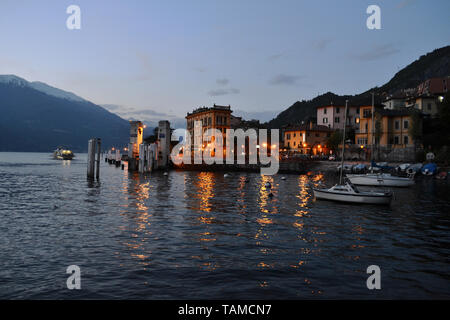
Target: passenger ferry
x,y
63,154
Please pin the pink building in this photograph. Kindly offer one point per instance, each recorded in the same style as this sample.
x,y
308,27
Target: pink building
x,y
333,116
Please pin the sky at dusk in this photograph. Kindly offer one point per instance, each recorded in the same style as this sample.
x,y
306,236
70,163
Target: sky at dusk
x,y
163,58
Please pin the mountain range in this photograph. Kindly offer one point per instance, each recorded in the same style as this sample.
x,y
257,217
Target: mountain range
x,y
38,117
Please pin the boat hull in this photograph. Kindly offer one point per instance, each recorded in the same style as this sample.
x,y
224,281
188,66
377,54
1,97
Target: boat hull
x,y
352,198
379,180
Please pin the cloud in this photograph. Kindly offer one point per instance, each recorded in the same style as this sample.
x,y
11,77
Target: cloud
x,y
149,112
405,3
283,79
145,67
221,92
222,82
275,56
322,44
200,69
377,52
148,115
117,108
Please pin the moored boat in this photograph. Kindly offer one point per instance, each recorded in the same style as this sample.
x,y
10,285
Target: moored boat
x,y
429,169
349,193
381,179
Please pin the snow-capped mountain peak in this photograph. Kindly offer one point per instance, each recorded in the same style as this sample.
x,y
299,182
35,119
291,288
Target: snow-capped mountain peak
x,y
39,86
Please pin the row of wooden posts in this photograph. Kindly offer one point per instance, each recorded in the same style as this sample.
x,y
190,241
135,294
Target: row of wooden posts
x,y
147,161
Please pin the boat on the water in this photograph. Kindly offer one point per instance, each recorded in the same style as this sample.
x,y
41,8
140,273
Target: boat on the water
x,y
63,154
349,193
381,179
429,169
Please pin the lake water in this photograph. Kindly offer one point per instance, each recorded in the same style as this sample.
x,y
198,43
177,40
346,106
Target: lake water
x,y
198,235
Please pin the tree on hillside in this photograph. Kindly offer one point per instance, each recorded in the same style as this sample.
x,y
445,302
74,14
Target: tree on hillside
x,y
334,141
378,133
415,129
444,118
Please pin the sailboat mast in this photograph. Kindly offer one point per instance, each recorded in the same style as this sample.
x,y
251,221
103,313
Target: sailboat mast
x,y
373,124
343,143
373,132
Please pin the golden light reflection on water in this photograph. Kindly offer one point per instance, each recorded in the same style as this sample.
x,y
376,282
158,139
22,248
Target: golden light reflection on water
x,y
264,199
136,190
242,206
303,196
205,186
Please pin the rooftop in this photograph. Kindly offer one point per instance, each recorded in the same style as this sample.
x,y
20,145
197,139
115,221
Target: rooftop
x,y
308,127
214,107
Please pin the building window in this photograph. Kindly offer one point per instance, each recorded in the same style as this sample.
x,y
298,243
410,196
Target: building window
x,y
325,120
293,143
405,124
336,119
396,140
405,140
295,135
362,141
338,110
397,124
325,111
357,111
366,127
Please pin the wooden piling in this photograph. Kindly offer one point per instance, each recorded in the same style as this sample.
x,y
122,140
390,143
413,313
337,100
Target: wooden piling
x,y
93,161
99,147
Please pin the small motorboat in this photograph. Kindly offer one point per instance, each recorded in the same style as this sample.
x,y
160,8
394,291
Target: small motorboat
x,y
360,168
63,154
347,168
349,193
414,168
429,169
442,175
381,179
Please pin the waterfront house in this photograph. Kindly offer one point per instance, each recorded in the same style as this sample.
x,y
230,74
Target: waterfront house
x,y
333,116
307,138
427,104
393,129
215,117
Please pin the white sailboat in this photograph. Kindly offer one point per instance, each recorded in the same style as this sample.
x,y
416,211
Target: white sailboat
x,y
379,179
347,192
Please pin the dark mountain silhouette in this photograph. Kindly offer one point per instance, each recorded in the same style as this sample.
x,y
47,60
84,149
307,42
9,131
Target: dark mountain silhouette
x,y
433,64
35,119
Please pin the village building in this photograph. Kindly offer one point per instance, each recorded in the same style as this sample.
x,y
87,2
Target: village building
x,y
333,116
393,129
307,138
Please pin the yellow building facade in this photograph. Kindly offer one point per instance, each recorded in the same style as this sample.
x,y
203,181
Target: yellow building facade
x,y
394,128
307,138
